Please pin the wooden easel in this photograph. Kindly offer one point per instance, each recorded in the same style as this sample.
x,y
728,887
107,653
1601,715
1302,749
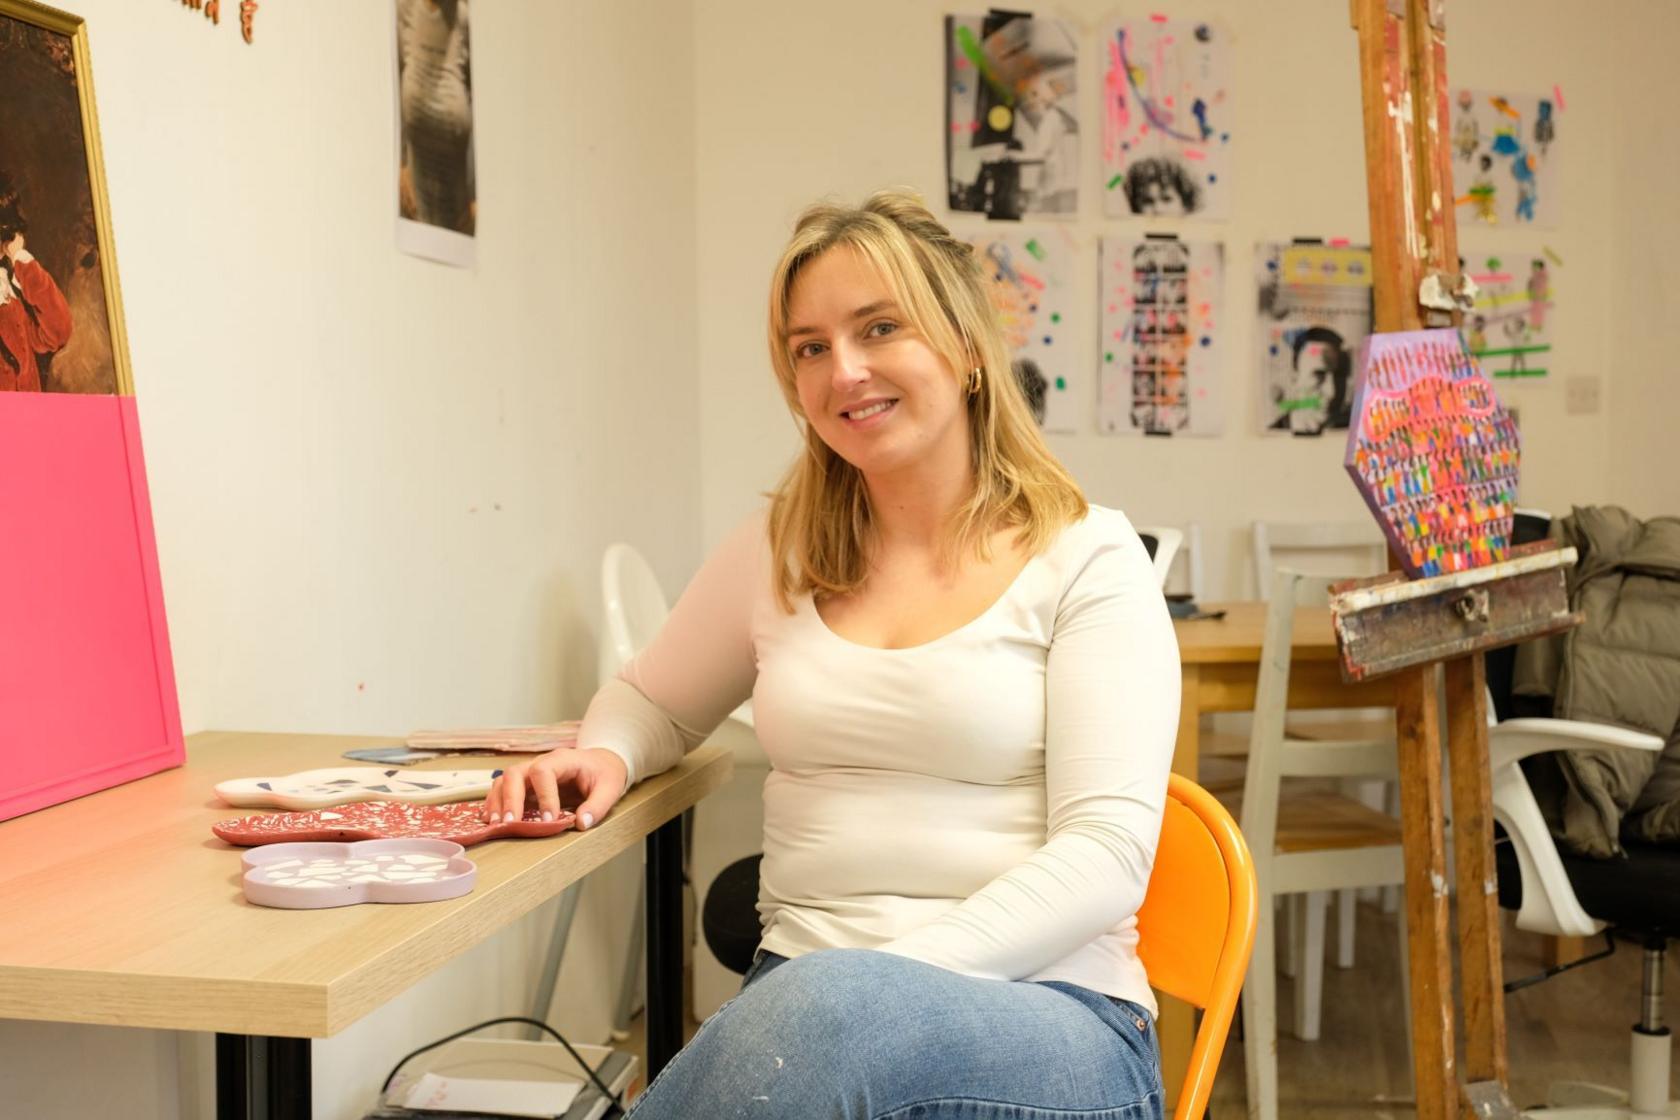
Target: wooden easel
x,y
1408,627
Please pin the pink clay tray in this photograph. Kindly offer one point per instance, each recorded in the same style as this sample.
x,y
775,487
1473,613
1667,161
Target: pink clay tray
x,y
378,820
316,876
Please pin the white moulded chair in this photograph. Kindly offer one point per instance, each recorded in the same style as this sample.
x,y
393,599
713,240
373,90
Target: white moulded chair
x,y
1549,905
1546,887
1176,549
729,825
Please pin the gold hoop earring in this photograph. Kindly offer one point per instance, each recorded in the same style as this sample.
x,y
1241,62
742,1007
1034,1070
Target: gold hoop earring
x,y
974,381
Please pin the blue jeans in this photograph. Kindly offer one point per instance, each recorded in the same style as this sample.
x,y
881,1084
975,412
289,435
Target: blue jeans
x,y
852,1034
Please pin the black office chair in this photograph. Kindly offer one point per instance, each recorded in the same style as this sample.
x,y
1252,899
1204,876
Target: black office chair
x,y
1555,892
729,917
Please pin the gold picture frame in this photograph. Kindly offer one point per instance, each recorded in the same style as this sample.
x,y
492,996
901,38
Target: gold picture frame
x,y
53,196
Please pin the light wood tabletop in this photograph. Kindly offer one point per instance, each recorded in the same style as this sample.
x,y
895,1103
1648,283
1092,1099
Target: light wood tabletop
x,y
1237,636
122,908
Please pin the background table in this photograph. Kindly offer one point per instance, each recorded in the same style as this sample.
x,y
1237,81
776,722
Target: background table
x,y
121,908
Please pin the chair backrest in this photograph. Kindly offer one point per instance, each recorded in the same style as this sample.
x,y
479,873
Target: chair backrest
x,y
1349,547
1163,544
1196,925
1176,549
634,607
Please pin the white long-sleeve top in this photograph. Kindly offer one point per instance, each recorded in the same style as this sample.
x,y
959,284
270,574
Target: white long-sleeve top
x,y
988,801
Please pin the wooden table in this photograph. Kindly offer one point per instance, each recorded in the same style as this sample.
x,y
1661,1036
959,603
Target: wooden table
x,y
1220,672
122,908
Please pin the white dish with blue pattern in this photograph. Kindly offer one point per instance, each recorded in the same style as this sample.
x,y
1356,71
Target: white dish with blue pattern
x,y
345,785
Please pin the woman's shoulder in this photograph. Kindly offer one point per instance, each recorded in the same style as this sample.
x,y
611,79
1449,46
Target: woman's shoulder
x,y
1101,527
1101,547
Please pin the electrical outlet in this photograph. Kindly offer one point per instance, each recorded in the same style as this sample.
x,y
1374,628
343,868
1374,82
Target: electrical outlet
x,y
1580,396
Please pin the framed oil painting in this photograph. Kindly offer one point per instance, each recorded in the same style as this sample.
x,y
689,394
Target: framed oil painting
x,y
61,322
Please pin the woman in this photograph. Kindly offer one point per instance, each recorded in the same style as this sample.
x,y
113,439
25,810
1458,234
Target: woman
x,y
35,320
967,685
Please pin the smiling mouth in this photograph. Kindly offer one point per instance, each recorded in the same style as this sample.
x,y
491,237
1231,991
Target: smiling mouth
x,y
872,410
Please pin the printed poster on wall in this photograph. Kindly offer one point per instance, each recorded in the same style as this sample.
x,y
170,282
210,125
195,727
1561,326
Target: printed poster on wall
x,y
1166,119
1505,158
437,190
1011,116
1509,330
1162,317
1029,275
1314,310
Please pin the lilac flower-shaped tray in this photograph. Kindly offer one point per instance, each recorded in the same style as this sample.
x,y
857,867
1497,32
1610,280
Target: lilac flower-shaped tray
x,y
316,876
377,820
322,789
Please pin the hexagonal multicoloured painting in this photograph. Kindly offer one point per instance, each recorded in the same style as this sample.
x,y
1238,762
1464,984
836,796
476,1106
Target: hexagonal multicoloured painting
x,y
1433,452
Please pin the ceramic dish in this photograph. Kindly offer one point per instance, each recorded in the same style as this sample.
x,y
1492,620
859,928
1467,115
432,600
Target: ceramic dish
x,y
316,876
322,789
377,820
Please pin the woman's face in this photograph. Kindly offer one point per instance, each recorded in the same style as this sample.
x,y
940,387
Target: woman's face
x,y
872,387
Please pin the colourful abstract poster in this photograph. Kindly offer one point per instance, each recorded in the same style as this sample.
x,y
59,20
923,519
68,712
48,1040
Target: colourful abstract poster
x,y
1162,320
1314,310
1011,116
1166,119
1505,152
1433,453
1509,330
1030,278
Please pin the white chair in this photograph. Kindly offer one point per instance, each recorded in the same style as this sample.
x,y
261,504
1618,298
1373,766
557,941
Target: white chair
x,y
1354,548
730,825
1550,883
1549,905
1176,549
1303,844
1163,544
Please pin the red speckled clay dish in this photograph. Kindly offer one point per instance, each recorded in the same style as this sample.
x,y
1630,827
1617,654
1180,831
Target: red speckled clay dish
x,y
379,820
316,876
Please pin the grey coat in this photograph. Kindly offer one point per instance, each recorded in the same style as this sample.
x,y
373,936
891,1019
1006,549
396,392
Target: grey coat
x,y
1622,667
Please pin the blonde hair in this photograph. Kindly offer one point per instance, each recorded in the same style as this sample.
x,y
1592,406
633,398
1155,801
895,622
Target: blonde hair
x,y
821,527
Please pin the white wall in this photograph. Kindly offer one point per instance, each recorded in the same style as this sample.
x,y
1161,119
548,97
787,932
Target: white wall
x,y
798,101
381,486
1644,331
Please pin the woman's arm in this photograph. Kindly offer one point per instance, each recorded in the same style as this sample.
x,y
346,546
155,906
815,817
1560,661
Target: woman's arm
x,y
1111,720
698,668
664,702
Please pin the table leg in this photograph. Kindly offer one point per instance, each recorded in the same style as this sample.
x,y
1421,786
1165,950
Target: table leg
x,y
1176,1028
664,945
262,1078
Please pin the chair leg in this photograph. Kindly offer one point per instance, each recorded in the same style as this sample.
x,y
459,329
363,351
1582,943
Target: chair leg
x,y
1346,915
1294,929
1309,986
1259,1015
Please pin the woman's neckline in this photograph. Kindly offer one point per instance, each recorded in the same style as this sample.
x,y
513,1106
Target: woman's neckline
x,y
1008,591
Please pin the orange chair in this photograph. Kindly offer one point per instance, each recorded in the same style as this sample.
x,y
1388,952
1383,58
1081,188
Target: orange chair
x,y
1196,925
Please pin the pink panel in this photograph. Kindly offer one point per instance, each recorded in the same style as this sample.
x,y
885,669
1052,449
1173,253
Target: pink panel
x,y
87,688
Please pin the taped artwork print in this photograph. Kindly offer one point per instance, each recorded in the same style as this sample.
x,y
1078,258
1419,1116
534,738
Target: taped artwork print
x,y
1314,310
1166,128
1162,317
1028,276
1011,116
1509,329
1505,153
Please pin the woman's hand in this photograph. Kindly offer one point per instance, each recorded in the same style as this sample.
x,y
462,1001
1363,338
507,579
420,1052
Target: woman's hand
x,y
590,778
